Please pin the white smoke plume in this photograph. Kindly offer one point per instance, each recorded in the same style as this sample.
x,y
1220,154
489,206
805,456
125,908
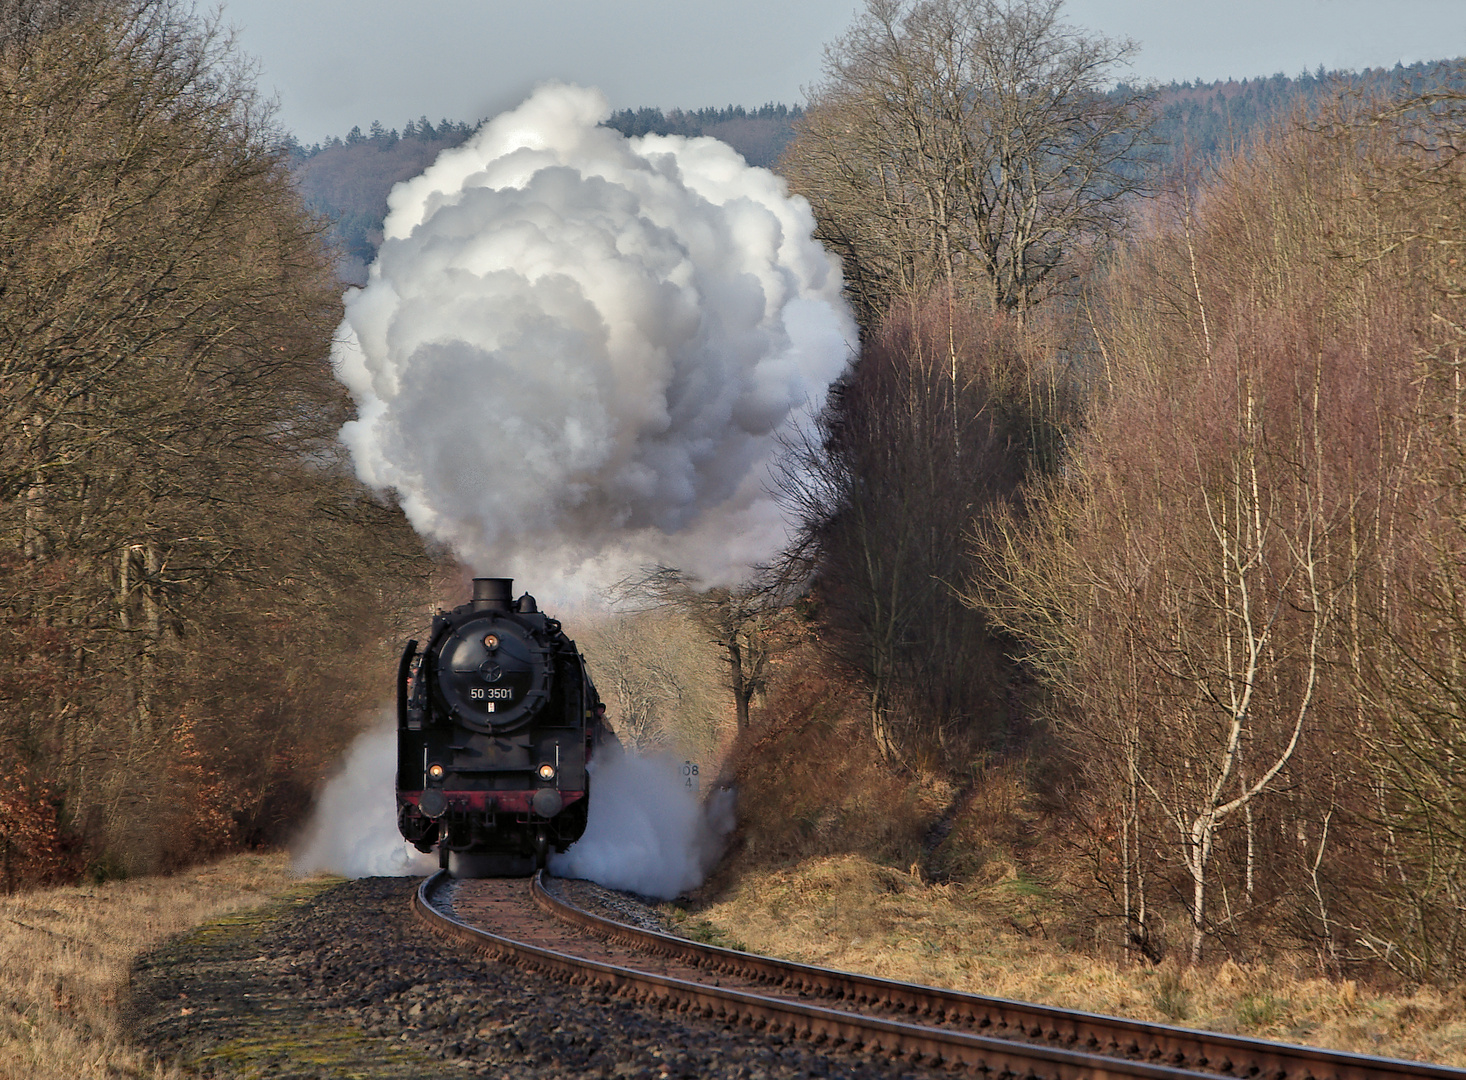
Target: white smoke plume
x,y
647,833
576,351
353,830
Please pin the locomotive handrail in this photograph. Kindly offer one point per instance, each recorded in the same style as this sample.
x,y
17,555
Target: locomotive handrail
x,y
404,669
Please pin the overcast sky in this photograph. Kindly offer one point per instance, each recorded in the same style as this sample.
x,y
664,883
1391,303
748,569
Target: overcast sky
x,y
335,63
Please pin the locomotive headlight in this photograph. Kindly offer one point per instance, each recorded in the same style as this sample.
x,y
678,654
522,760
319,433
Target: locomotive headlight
x,y
491,642
547,772
435,771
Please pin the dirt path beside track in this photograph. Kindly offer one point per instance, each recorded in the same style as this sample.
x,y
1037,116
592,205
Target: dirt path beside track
x,y
345,983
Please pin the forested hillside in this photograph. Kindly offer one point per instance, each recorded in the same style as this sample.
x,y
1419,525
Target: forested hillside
x,y
1127,565
346,179
1132,553
194,589
760,135
1210,120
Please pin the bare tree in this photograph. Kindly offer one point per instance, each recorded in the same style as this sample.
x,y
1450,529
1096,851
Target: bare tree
x,y
1236,649
966,144
1221,585
736,619
904,459
180,531
662,680
1411,658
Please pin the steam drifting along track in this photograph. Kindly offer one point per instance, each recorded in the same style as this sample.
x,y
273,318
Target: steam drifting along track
x,y
996,1036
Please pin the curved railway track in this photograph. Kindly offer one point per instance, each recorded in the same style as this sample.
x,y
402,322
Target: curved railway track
x,y
525,924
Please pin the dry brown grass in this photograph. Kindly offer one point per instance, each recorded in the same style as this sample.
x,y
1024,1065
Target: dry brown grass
x,y
990,936
65,954
819,874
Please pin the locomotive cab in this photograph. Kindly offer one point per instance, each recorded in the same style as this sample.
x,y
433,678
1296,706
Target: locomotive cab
x,y
496,721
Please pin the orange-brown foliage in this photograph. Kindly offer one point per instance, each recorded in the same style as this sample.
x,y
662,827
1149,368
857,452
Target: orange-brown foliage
x,y
811,780
34,847
194,591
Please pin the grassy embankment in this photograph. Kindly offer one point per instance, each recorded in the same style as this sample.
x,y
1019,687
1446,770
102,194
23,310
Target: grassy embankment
x,y
964,882
993,936
65,954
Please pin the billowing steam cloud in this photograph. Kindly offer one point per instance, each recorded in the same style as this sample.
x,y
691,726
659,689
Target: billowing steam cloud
x,y
575,351
646,832
353,830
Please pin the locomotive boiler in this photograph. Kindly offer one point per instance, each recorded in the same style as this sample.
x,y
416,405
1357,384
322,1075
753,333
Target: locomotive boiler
x,y
497,719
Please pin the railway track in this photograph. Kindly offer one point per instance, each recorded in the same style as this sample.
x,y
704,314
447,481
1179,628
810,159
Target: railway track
x,y
524,924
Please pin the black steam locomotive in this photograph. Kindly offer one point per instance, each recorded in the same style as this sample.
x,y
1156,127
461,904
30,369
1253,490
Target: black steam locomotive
x,y
496,720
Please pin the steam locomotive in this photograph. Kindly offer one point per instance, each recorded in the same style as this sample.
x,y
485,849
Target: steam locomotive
x,y
497,719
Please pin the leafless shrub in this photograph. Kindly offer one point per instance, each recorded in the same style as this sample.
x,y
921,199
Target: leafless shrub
x,y
1254,550
738,621
947,412
663,681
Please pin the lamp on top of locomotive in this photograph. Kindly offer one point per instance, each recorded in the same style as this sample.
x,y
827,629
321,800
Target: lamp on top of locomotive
x,y
497,718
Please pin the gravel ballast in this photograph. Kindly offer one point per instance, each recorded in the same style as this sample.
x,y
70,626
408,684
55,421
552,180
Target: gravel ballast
x,y
344,981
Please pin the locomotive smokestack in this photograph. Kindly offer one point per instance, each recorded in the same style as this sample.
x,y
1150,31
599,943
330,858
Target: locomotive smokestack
x,y
493,593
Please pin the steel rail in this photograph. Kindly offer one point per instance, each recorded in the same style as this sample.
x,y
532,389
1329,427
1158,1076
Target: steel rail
x,y
1094,1033
999,1057
994,1055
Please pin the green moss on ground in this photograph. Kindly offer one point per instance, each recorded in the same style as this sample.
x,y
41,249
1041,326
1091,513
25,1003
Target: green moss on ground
x,y
219,1005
